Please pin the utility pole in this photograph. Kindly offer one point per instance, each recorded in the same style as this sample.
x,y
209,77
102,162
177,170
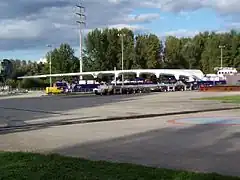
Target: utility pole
x,y
50,64
221,47
122,46
81,21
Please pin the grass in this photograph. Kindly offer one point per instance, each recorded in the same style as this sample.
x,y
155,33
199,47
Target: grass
x,y
19,166
224,99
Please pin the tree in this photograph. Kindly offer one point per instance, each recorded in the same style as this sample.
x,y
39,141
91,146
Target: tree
x,y
6,69
154,49
95,49
102,51
173,55
199,42
148,49
189,54
140,52
32,83
63,60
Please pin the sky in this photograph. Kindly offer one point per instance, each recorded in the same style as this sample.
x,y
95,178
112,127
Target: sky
x,y
27,26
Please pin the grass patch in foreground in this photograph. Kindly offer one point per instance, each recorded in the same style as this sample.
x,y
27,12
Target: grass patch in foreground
x,y
224,99
35,166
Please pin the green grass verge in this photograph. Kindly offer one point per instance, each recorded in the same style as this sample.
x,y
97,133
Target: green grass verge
x,y
224,99
18,166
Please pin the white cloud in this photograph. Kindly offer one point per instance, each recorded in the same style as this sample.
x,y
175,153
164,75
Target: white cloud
x,y
225,6
221,6
34,23
141,18
11,29
132,27
173,5
185,14
181,33
233,25
185,33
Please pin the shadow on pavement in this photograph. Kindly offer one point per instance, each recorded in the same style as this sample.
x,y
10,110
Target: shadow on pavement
x,y
198,148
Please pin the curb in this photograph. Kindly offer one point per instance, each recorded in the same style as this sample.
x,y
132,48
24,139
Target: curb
x,y
9,129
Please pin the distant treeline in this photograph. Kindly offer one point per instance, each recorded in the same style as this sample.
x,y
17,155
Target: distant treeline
x,y
103,52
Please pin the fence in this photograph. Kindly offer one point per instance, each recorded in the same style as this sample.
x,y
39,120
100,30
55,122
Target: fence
x,y
220,88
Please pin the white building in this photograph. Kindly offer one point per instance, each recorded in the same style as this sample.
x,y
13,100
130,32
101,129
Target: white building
x,y
191,73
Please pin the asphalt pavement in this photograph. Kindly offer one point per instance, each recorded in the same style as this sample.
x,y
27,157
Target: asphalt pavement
x,y
156,142
55,109
206,141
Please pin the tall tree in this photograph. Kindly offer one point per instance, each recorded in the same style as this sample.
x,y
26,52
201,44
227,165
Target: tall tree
x,y
63,60
6,69
104,49
95,50
199,42
173,55
154,49
189,54
148,49
140,52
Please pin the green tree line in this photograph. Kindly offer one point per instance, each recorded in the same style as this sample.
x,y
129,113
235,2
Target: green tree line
x,y
102,51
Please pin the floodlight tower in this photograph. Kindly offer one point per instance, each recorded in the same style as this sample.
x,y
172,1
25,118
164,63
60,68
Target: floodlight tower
x,y
82,23
222,47
122,35
50,64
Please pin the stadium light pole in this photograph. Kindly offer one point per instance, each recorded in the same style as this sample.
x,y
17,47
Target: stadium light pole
x,y
221,47
50,64
81,21
121,35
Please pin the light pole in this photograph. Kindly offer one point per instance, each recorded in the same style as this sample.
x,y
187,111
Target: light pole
x,y
221,47
81,21
50,64
122,44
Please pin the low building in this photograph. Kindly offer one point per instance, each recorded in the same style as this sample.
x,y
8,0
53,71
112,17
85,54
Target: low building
x,y
233,79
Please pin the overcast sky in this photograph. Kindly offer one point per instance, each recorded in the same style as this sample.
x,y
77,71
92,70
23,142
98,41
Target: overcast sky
x,y
28,25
